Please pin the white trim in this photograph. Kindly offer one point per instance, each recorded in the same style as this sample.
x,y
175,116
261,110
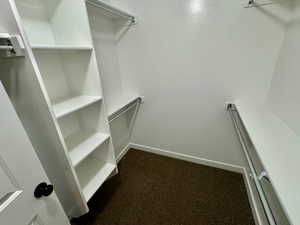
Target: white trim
x,y
123,152
189,158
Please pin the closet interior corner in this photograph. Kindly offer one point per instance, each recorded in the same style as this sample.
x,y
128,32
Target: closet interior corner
x,y
74,74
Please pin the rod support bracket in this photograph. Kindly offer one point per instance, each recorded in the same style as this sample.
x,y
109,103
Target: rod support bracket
x,y
11,45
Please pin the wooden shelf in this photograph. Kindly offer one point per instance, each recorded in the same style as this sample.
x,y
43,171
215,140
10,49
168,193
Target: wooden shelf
x,y
66,70
61,47
71,105
81,145
92,173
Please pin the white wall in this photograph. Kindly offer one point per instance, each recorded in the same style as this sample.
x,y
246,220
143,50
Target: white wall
x,y
188,58
285,89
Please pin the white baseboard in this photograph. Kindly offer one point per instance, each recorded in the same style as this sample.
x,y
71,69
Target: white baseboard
x,y
123,152
189,158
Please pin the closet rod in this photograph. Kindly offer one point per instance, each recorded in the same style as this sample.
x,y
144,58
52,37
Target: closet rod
x,y
125,109
5,47
111,9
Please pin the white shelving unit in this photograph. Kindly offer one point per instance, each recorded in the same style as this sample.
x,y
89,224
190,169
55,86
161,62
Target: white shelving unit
x,y
68,77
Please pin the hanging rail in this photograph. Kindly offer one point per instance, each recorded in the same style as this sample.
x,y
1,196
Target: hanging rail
x,y
4,47
132,104
11,45
112,10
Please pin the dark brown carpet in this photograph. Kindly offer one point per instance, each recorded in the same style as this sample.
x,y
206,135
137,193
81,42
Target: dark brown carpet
x,y
157,190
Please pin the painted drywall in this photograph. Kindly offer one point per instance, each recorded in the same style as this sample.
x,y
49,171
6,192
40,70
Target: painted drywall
x,y
188,58
283,97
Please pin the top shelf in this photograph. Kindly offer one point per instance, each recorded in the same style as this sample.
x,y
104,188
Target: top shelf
x,y
112,10
278,148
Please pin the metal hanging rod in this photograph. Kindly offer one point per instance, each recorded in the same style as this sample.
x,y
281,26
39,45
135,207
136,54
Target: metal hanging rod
x,y
11,45
112,10
4,47
125,109
254,3
237,123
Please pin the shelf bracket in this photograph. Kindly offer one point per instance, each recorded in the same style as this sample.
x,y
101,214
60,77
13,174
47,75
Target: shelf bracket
x,y
254,3
11,45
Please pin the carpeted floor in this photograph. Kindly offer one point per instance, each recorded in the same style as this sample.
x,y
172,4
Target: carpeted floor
x,y
156,190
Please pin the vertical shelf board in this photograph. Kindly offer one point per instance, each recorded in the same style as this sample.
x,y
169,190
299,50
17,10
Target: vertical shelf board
x,y
105,33
92,173
53,155
104,39
81,145
71,105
